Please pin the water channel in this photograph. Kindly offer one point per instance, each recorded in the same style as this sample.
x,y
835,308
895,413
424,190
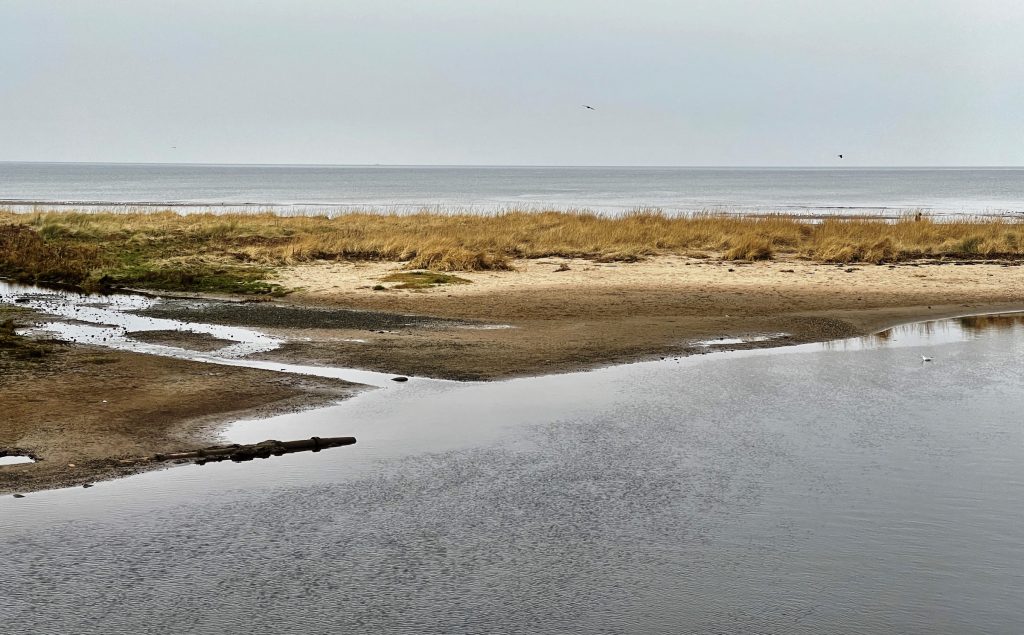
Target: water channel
x,y
843,487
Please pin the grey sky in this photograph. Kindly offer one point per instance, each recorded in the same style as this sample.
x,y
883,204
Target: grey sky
x,y
717,82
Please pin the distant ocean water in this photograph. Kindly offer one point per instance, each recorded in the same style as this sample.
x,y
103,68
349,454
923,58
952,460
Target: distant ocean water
x,y
610,190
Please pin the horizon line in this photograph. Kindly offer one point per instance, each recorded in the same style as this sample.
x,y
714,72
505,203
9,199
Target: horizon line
x,y
514,165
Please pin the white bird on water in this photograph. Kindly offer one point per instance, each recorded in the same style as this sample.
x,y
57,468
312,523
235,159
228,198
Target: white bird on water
x,y
925,358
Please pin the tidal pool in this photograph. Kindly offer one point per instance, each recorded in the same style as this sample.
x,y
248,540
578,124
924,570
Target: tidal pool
x,y
848,487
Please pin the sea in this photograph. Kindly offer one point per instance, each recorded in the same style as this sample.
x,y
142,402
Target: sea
x,y
333,190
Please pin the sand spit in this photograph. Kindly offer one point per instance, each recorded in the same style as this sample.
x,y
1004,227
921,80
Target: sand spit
x,y
79,409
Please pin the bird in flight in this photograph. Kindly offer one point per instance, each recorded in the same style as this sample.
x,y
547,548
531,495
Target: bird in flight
x,y
840,156
925,358
589,107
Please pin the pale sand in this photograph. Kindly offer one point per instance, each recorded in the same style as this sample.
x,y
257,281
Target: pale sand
x,y
337,280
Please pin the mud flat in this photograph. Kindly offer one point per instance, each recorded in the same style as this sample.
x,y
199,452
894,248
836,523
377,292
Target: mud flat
x,y
182,339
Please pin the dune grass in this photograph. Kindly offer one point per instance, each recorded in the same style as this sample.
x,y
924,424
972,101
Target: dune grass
x,y
237,252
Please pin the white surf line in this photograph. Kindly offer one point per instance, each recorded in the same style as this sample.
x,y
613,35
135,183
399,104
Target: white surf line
x,y
107,324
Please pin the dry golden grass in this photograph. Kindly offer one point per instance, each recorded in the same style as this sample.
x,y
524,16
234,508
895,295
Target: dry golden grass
x,y
462,242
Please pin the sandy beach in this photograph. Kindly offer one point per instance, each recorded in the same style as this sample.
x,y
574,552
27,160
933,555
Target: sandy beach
x,y
80,410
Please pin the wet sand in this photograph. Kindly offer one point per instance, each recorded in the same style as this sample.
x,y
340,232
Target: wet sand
x,y
202,342
81,410
550,315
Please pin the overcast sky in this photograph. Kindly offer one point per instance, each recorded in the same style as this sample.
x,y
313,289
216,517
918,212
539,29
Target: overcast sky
x,y
673,82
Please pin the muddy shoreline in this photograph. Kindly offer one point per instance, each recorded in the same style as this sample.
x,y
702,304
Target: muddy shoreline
x,y
527,322
81,411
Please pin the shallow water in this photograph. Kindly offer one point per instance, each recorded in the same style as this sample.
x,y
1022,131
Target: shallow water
x,y
15,459
334,190
841,488
110,321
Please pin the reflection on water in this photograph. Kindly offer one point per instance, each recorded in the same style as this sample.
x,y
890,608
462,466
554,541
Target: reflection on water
x,y
934,332
985,323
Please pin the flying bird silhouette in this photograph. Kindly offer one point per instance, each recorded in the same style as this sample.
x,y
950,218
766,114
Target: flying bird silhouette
x,y
840,156
589,107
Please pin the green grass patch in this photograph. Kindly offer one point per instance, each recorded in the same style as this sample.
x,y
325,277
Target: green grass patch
x,y
56,254
422,279
202,277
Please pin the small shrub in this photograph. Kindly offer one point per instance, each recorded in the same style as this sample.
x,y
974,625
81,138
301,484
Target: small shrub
x,y
837,253
1012,241
750,248
970,245
881,251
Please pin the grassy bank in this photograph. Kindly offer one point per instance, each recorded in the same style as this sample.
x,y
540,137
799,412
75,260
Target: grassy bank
x,y
237,253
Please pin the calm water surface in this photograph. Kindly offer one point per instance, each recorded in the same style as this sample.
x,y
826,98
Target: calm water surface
x,y
845,488
336,189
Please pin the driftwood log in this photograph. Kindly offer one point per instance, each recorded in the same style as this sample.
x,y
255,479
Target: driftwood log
x,y
264,449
